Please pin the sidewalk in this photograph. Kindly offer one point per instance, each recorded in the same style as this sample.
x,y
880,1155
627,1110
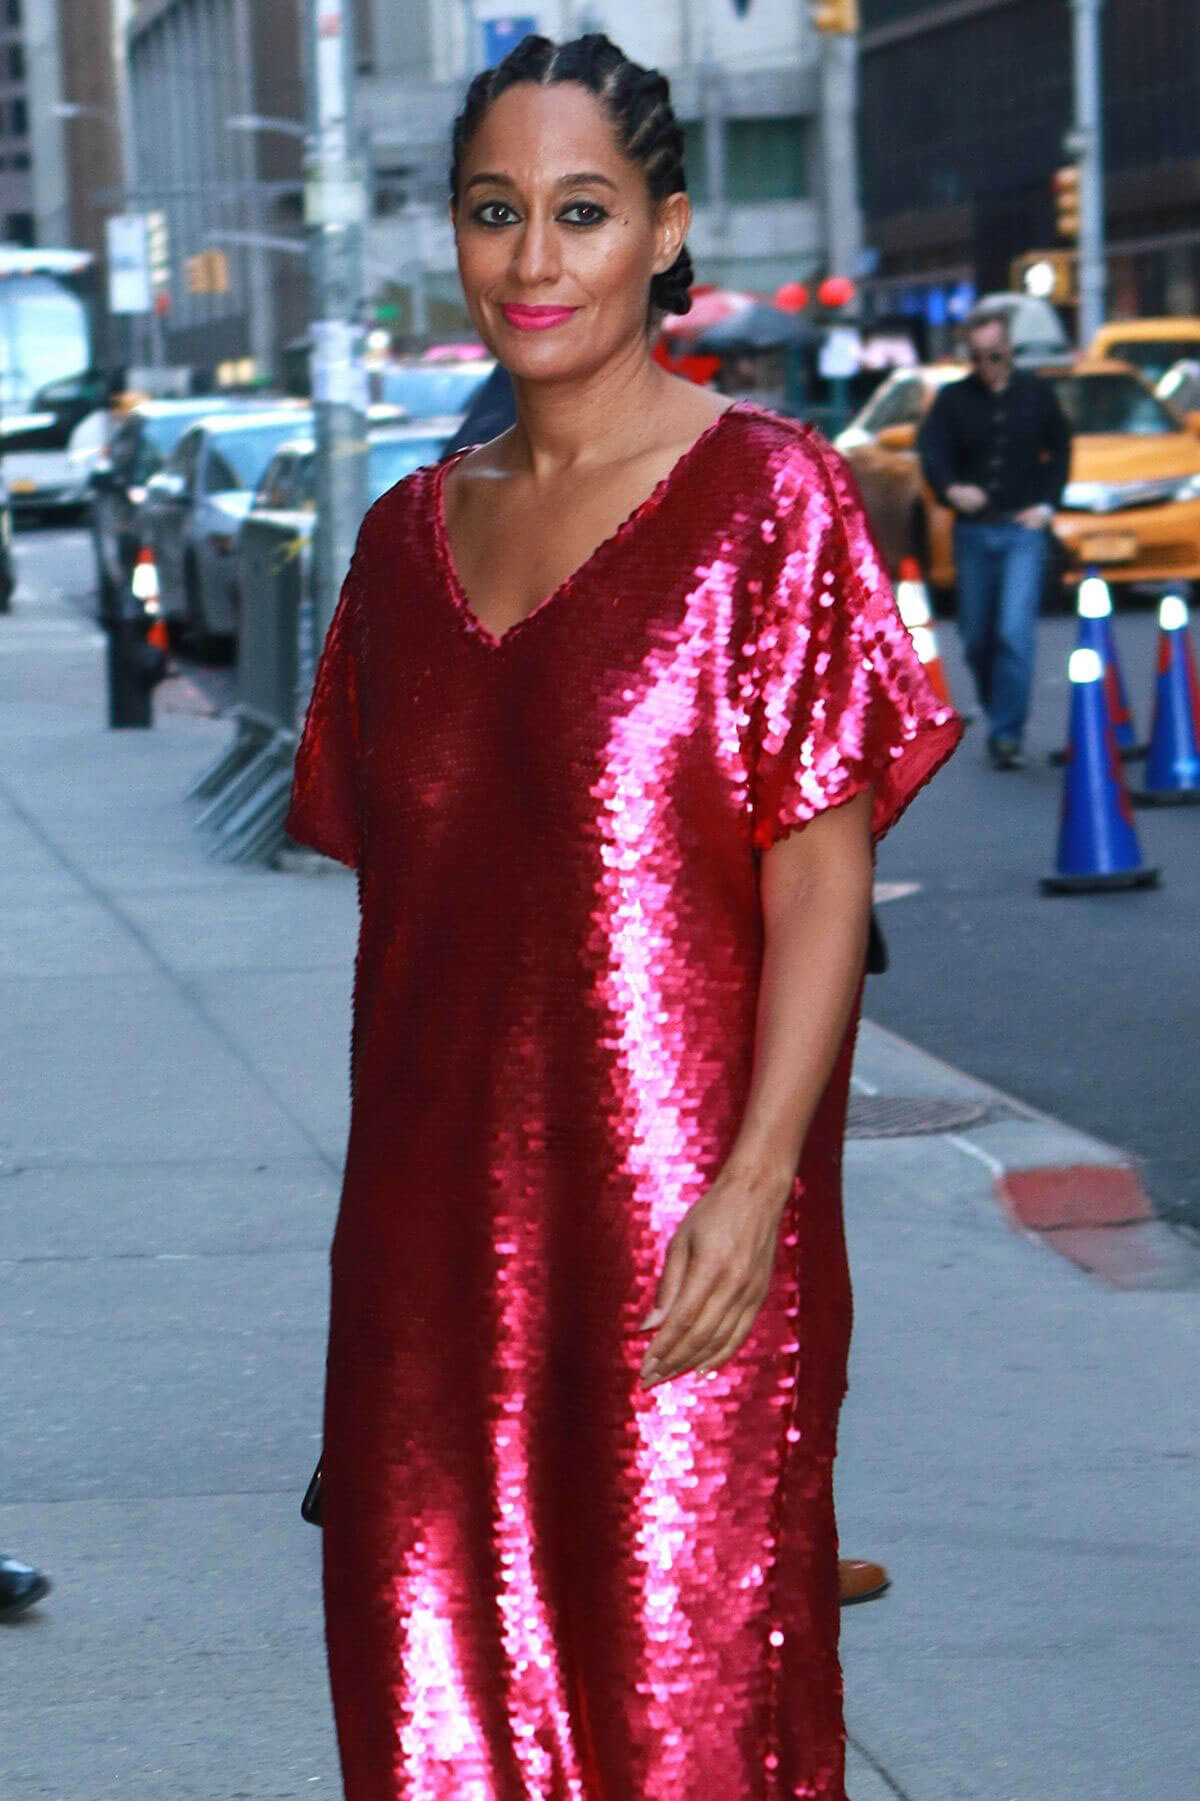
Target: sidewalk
x,y
1019,1444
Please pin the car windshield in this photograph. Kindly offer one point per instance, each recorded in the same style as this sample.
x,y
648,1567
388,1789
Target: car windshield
x,y
249,448
1101,405
424,389
389,460
1153,356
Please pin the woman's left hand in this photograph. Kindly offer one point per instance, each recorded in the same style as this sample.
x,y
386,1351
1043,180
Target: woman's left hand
x,y
716,1274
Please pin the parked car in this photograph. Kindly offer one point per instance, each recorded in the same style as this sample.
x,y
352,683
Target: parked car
x,y
8,574
46,463
139,443
1149,345
194,506
1131,506
286,496
429,390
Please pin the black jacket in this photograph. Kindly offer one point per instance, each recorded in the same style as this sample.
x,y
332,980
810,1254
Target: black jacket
x,y
1016,445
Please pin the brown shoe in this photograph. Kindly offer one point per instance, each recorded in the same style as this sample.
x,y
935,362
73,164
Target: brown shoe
x,y
861,1581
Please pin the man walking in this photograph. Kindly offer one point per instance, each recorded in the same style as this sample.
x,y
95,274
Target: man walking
x,y
996,448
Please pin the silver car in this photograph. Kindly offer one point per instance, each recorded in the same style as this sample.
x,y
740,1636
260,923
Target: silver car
x,y
194,507
286,498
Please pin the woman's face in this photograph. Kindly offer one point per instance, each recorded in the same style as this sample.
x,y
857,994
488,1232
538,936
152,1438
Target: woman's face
x,y
558,237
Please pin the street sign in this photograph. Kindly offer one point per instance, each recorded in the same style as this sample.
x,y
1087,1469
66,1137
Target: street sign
x,y
502,35
128,263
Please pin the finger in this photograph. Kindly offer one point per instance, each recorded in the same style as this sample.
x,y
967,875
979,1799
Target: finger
x,y
732,1343
684,1310
691,1327
670,1282
723,1340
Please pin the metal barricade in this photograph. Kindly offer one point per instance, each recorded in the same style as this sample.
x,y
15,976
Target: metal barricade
x,y
246,790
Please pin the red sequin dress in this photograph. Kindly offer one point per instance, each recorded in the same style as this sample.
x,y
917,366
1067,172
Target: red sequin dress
x,y
541,1582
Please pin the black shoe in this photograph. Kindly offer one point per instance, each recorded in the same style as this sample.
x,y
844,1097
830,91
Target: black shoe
x,y
20,1587
1006,754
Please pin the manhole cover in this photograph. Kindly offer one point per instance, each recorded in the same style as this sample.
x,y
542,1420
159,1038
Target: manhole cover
x,y
907,1116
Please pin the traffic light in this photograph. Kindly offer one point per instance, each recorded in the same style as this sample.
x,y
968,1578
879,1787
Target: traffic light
x,y
208,273
836,18
1066,200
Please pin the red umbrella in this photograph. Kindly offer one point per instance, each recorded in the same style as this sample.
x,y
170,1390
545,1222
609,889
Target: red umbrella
x,y
709,307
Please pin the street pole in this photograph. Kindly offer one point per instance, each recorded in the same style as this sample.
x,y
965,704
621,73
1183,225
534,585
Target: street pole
x,y
335,216
1087,145
839,153
262,291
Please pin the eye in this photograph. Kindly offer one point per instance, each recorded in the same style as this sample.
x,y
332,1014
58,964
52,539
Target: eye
x,y
583,212
487,213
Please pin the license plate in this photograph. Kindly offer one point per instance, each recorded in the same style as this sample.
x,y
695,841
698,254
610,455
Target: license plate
x,y
1109,547
22,484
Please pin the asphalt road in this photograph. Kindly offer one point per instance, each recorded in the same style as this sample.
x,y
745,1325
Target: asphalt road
x,y
1084,1006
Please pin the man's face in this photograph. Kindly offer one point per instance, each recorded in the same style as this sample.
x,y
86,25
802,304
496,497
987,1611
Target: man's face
x,y
991,354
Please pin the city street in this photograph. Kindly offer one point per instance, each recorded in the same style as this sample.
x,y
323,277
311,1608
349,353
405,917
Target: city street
x,y
1020,1440
972,852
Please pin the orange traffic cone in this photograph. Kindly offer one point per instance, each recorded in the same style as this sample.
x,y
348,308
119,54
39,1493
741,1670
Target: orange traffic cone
x,y
912,598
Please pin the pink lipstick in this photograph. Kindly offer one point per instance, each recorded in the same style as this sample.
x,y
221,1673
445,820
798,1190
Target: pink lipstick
x,y
537,318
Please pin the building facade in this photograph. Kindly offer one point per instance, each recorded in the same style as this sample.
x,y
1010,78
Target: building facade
x,y
745,81
965,110
192,67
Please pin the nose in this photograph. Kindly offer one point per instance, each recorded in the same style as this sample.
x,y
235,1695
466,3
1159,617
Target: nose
x,y
536,259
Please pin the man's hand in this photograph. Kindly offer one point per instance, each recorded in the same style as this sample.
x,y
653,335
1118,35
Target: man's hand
x,y
965,497
1037,518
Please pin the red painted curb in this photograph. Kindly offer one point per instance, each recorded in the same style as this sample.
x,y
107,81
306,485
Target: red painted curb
x,y
1074,1194
1098,1216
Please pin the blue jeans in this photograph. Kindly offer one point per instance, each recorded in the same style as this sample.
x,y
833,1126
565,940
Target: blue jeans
x,y
1000,568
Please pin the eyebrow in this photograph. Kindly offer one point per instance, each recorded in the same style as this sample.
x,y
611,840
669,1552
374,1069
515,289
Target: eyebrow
x,y
582,177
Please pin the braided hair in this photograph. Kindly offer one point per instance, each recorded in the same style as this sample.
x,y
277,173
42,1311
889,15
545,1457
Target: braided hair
x,y
637,102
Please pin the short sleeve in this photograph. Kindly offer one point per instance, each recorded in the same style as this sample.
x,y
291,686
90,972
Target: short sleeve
x,y
325,807
840,700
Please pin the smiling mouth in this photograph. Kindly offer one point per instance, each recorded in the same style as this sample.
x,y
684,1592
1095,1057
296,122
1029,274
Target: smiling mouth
x,y
537,318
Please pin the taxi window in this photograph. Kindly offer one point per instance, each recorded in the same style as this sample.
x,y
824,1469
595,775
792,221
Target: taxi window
x,y
899,402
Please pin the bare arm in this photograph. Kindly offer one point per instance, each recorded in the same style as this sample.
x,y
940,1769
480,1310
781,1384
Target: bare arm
x,y
815,886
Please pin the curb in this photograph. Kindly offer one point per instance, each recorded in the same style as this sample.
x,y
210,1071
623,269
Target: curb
x,y
1081,1197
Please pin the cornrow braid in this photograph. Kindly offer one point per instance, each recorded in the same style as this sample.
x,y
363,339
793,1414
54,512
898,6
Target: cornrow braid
x,y
638,104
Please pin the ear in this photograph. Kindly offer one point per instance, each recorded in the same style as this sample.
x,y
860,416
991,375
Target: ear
x,y
671,227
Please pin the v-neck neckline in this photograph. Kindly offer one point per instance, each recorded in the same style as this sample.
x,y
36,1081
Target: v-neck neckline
x,y
650,502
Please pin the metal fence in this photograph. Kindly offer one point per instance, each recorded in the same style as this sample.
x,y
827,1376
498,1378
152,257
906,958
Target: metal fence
x,y
245,792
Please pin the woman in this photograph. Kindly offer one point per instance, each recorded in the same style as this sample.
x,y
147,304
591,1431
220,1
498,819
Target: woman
x,y
590,1309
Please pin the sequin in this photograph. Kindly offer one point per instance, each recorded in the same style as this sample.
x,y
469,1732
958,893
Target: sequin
x,y
542,1582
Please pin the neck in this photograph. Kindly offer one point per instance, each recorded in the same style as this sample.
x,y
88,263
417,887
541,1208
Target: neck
x,y
593,419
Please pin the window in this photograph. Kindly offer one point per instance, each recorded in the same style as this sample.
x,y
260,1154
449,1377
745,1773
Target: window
x,y
19,115
21,161
766,159
695,162
16,62
14,12
899,402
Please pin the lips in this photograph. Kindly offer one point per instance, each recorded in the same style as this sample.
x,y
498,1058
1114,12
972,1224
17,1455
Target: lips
x,y
537,318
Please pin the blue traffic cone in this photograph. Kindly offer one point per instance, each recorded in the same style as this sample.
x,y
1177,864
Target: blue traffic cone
x,y
1094,608
1097,843
1173,756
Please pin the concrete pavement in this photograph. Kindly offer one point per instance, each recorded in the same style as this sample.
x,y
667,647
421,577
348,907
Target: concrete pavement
x,y
1019,1444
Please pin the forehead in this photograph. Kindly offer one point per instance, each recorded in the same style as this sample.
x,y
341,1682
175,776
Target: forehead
x,y
989,328
545,132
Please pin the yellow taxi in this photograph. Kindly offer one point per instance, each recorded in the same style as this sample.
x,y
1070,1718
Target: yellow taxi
x,y
1151,346
1131,506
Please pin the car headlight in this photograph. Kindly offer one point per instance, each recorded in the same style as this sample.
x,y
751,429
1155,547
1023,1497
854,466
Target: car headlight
x,y
1089,497
1190,489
